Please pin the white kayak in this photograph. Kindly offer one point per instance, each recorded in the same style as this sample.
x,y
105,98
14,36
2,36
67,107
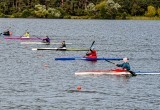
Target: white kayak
x,y
42,43
113,72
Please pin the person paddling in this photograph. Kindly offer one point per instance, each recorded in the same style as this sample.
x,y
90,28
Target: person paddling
x,y
126,66
46,40
63,45
91,54
7,32
27,35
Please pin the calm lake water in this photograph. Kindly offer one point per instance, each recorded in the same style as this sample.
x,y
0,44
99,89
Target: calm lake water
x,y
33,80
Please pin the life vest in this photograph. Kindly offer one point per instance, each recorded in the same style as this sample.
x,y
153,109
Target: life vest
x,y
26,35
92,54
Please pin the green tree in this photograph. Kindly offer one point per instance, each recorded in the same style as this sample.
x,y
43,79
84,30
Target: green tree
x,y
135,9
158,12
27,13
4,7
108,9
101,9
151,11
40,11
53,13
90,9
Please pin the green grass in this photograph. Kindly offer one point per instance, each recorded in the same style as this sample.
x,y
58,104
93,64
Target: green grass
x,y
142,18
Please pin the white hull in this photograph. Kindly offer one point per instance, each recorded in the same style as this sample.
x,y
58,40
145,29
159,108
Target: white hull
x,y
102,73
113,72
60,49
47,48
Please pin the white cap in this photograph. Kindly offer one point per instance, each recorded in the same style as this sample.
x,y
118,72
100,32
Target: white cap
x,y
125,59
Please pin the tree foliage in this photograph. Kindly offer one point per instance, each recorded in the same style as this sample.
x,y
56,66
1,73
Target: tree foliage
x,y
151,11
53,13
158,12
40,11
107,9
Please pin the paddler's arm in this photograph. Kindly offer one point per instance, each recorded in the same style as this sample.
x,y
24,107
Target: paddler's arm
x,y
119,65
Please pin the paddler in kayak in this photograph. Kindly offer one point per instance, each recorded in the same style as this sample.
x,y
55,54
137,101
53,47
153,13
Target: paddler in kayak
x,y
26,35
91,54
125,65
63,46
7,32
46,40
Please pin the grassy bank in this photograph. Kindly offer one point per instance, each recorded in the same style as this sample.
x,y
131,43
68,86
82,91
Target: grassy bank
x,y
128,18
142,18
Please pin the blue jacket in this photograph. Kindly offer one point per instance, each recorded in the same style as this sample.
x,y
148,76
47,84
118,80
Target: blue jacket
x,y
124,65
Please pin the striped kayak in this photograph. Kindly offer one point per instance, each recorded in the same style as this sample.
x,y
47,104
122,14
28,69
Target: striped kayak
x,y
88,59
42,43
61,49
113,72
22,38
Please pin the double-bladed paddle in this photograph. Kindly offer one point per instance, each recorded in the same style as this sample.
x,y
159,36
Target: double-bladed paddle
x,y
132,73
91,46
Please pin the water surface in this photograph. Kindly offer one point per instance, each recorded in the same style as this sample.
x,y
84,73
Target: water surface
x,y
33,80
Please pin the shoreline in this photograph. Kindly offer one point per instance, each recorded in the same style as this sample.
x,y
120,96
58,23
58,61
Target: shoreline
x,y
85,17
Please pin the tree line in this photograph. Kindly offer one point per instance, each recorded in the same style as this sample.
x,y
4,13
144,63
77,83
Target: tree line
x,y
96,9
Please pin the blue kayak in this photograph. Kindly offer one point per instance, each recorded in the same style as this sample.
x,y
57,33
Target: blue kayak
x,y
88,59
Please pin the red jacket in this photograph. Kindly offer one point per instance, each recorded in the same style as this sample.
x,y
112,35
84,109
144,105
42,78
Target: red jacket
x,y
92,54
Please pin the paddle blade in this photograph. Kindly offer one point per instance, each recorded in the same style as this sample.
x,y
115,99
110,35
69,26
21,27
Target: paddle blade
x,y
132,73
34,48
92,44
90,47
